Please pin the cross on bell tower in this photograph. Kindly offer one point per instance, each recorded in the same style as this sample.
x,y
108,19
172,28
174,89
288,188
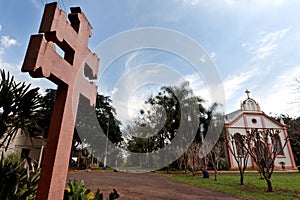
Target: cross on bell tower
x,y
248,93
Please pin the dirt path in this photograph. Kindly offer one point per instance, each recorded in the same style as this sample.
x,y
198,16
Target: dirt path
x,y
133,186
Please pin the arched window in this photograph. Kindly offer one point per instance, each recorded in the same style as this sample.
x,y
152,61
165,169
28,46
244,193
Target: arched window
x,y
277,144
239,142
250,104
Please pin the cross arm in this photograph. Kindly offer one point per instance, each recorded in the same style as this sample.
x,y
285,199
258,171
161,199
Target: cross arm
x,y
41,60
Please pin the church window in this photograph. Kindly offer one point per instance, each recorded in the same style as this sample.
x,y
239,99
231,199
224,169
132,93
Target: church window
x,y
278,145
238,141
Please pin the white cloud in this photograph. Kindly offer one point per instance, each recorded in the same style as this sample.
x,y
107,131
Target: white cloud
x,y
232,3
191,2
137,99
269,2
197,85
256,3
114,90
137,84
275,96
281,95
1,51
267,44
15,70
6,41
209,93
0,27
234,83
203,58
36,3
131,60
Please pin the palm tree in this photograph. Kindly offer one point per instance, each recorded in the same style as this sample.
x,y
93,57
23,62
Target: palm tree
x,y
19,109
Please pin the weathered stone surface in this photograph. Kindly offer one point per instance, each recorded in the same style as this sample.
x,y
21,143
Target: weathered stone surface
x,y
42,60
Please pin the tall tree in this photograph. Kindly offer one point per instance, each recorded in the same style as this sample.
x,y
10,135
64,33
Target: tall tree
x,y
214,155
99,128
105,113
170,105
88,135
45,113
194,162
293,126
47,104
237,146
19,109
263,147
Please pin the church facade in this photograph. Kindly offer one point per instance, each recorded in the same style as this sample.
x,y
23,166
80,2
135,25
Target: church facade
x,y
248,117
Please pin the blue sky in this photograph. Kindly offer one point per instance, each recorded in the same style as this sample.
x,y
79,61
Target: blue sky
x,y
254,44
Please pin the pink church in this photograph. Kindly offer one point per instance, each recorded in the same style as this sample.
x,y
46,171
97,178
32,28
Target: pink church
x,y
250,116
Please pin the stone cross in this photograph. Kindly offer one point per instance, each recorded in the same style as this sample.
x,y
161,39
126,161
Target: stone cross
x,y
42,60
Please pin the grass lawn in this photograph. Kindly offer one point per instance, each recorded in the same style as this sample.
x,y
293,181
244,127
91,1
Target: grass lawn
x,y
286,185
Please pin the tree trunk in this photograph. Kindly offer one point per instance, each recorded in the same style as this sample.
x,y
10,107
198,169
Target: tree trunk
x,y
216,171
168,170
270,187
193,172
267,177
185,166
241,176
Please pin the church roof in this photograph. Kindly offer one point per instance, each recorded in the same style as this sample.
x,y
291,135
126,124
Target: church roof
x,y
229,117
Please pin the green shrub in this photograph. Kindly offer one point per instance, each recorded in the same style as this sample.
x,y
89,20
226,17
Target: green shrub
x,y
78,191
223,165
15,181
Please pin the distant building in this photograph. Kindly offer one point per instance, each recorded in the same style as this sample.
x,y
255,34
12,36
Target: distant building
x,y
250,116
26,147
